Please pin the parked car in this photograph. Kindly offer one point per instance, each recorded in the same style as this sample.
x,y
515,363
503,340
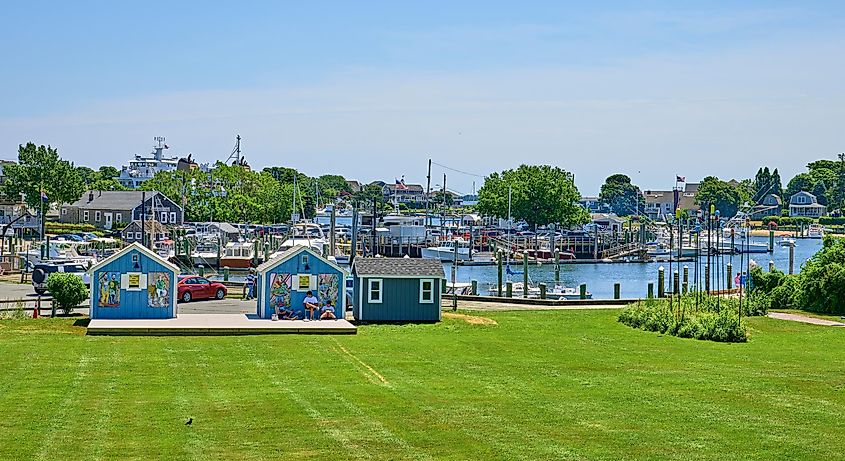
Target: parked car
x,y
70,237
87,236
41,272
194,287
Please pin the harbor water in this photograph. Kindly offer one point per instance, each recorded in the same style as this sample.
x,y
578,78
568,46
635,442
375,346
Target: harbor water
x,y
633,277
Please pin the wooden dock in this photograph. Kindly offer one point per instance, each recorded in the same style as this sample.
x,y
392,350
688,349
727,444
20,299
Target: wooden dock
x,y
217,324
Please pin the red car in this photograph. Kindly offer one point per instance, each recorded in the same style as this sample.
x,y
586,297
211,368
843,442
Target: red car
x,y
195,287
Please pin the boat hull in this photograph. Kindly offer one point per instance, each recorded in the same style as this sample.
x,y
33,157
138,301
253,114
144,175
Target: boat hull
x,y
236,263
443,255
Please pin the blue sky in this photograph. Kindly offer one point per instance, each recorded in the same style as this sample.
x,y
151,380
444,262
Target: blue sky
x,y
372,90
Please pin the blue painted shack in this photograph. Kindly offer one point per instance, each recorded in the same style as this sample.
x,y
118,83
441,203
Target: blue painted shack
x,y
284,281
134,283
397,289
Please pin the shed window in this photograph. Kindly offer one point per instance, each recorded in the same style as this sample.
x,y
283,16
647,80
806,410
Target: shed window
x,y
97,216
426,291
118,217
374,291
85,215
137,236
164,217
172,217
64,211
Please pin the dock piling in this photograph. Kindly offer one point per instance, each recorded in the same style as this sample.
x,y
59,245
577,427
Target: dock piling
x,y
650,294
583,290
686,279
617,291
542,291
509,289
661,282
474,290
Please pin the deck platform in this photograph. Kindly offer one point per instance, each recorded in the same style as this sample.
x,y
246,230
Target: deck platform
x,y
217,324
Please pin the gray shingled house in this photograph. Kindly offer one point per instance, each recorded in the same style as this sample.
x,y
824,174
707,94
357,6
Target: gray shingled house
x,y
105,208
397,289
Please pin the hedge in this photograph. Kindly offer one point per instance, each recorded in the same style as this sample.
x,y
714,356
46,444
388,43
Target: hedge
x,y
787,220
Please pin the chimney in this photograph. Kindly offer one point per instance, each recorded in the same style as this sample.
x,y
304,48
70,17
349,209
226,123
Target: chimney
x,y
100,193
90,196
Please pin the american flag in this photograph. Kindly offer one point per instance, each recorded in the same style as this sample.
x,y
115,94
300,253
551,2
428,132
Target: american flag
x,y
400,184
680,178
44,196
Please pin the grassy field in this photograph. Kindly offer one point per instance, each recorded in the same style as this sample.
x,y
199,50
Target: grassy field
x,y
534,385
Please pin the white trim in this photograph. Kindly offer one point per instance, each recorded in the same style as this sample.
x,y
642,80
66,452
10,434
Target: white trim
x,y
294,251
360,298
136,246
379,276
430,290
370,299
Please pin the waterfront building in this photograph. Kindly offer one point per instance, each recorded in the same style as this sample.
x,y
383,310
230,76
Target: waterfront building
x,y
284,281
134,283
805,204
397,289
105,208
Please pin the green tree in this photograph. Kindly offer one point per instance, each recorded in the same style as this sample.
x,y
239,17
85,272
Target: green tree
x,y
724,196
801,181
540,195
108,172
40,168
333,185
621,196
777,186
87,174
106,184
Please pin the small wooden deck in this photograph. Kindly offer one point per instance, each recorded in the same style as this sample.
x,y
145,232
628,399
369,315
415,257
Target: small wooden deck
x,y
217,324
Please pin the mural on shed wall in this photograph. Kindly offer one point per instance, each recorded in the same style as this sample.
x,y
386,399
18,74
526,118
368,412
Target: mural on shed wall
x,y
280,286
158,289
109,295
327,288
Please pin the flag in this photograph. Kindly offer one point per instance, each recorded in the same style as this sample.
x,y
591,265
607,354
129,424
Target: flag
x,y
166,146
43,196
680,178
400,184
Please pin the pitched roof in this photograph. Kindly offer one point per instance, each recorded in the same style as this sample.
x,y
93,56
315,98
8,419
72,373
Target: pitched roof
x,y
408,187
112,200
403,267
151,227
291,252
142,249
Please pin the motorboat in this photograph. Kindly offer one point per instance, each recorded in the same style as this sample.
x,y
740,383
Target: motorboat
x,y
206,253
304,234
238,255
787,242
556,292
446,251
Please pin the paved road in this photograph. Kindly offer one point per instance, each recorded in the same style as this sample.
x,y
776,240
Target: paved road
x,y
805,319
16,291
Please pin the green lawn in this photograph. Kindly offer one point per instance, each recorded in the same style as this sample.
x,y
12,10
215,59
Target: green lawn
x,y
539,385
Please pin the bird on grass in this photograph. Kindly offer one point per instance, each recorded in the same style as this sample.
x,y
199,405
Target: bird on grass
x,y
190,420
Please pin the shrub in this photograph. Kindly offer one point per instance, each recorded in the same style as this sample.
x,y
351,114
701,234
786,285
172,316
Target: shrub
x,y
67,290
821,284
712,318
830,220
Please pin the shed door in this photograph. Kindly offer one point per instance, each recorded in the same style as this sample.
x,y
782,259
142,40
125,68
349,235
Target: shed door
x,y
108,220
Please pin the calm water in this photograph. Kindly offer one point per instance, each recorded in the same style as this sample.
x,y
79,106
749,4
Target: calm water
x,y
634,277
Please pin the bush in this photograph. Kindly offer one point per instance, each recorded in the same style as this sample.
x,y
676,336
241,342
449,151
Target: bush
x,y
713,319
821,284
67,290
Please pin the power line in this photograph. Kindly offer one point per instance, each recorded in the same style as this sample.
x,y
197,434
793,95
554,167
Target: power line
x,y
457,170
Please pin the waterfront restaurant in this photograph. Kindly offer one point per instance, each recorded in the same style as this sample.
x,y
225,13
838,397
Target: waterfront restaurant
x,y
284,281
134,283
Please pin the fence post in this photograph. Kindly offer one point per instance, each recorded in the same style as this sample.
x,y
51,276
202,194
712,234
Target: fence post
x,y
661,282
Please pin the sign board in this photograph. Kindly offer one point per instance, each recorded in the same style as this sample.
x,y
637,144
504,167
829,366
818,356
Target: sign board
x,y
133,281
305,282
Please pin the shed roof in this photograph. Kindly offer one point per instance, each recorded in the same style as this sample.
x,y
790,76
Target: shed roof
x,y
290,253
399,267
142,249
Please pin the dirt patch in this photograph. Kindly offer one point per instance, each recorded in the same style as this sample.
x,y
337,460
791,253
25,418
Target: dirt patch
x,y
470,319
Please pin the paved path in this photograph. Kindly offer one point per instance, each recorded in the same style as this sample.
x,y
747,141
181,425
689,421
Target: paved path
x,y
199,324
805,319
494,306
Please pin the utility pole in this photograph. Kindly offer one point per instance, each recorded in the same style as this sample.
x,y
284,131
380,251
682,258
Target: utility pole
x,y
428,194
144,218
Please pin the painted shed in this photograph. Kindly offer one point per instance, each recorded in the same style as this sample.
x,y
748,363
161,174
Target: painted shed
x,y
284,281
397,289
134,283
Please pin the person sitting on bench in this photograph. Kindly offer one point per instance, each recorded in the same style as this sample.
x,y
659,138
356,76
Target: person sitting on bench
x,y
327,312
311,304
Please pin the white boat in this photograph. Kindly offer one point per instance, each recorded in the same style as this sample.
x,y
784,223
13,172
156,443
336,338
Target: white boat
x,y
557,292
305,234
787,242
446,251
238,255
206,254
